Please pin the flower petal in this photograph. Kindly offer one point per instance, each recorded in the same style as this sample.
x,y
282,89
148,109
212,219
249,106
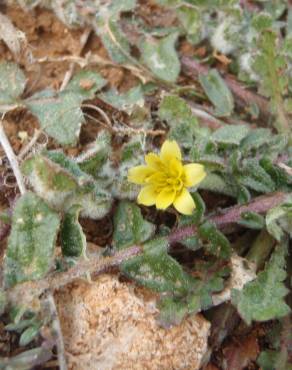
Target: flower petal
x,y
184,203
138,174
194,173
165,198
147,196
153,161
175,167
169,150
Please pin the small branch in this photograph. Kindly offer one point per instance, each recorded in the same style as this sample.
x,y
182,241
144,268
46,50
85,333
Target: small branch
x,y
119,130
68,75
232,215
25,150
31,289
12,158
194,69
57,332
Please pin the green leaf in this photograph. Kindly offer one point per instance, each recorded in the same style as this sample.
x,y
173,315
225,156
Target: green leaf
x,y
61,182
191,21
59,114
73,240
109,30
262,21
12,83
255,139
113,38
279,221
86,83
271,66
183,124
196,218
176,111
255,177
270,360
68,166
94,199
218,244
49,180
26,360
31,243
97,154
156,270
230,134
126,101
215,183
218,93
171,311
29,335
129,226
161,58
211,281
252,220
263,298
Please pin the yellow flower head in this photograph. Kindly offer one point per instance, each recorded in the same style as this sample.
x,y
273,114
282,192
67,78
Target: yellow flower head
x,y
166,179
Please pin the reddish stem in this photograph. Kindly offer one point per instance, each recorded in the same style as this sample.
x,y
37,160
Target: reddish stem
x,y
232,215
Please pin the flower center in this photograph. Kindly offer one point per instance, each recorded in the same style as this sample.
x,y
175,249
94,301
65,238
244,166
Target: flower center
x,y
175,183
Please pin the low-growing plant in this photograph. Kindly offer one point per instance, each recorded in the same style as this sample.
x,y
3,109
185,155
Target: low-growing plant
x,y
208,153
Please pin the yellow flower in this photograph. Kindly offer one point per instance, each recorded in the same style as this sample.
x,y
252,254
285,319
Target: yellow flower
x,y
166,179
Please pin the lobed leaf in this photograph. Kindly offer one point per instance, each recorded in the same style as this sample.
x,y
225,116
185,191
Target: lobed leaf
x,y
59,114
263,298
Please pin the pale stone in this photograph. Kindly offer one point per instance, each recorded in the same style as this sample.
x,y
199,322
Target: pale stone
x,y
110,325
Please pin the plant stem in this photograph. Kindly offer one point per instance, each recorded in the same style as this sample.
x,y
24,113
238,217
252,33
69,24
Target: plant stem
x,y
232,215
31,289
12,158
57,332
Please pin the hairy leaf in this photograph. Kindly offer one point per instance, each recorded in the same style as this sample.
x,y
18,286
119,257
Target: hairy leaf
x,y
263,298
12,83
279,221
49,180
230,134
217,243
129,226
161,58
86,83
73,240
218,92
126,101
31,243
156,270
252,220
59,114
